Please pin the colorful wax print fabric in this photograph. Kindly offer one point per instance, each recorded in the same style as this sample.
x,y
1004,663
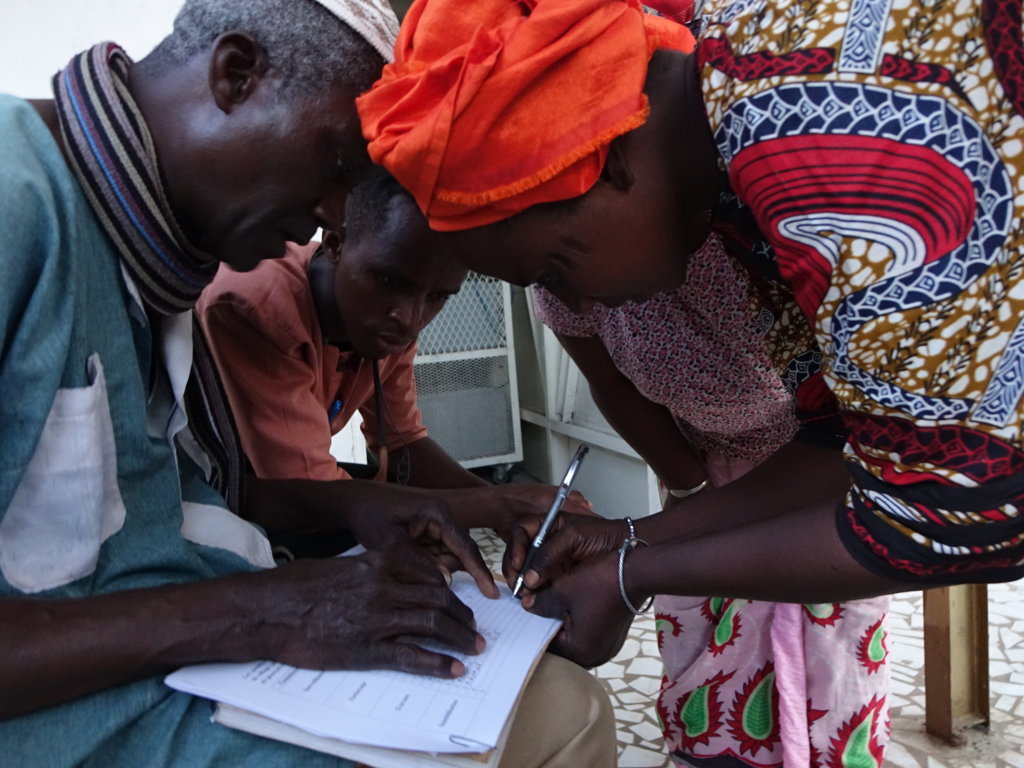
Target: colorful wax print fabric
x,y
878,145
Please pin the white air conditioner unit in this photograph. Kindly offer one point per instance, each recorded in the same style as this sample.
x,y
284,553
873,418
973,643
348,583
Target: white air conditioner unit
x,y
466,377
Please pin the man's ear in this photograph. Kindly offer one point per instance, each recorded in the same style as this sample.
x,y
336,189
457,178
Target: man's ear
x,y
237,66
332,241
617,171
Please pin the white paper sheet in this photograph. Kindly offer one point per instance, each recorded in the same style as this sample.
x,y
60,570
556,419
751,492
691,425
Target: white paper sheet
x,y
395,709
364,754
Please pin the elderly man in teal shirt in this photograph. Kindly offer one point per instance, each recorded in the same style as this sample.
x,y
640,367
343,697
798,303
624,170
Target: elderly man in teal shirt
x,y
121,553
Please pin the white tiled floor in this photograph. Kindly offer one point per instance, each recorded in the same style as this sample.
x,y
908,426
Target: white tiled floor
x,y
632,680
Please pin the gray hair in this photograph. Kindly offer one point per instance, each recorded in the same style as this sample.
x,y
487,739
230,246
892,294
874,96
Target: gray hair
x,y
308,47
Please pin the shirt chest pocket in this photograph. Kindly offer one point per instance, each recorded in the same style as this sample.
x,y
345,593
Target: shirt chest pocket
x,y
68,502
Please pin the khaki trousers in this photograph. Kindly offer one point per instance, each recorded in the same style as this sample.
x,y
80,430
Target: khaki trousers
x,y
564,720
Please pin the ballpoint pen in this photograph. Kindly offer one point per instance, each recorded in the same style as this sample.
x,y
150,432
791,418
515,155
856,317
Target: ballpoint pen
x,y
556,505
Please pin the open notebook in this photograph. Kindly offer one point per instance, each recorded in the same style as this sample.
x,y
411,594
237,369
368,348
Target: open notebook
x,y
385,718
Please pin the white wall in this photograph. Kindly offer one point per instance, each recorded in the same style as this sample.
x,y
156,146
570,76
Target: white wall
x,y
37,37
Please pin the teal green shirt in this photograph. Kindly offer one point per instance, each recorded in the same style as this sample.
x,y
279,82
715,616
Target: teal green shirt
x,y
99,490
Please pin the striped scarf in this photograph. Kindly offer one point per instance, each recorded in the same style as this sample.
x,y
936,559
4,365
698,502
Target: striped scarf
x,y
111,153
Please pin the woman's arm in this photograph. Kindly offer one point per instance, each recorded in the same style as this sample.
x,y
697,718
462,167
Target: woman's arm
x,y
796,476
792,557
799,477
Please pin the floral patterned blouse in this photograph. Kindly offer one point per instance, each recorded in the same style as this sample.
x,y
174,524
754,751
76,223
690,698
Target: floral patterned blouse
x,y
699,351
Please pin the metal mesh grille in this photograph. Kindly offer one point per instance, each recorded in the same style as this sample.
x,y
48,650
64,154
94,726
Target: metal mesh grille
x,y
463,379
467,408
474,318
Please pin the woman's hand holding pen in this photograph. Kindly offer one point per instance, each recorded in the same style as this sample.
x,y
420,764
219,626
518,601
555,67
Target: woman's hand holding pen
x,y
595,621
573,539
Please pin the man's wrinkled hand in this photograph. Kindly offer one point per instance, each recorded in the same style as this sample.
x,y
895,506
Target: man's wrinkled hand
x,y
420,525
512,503
536,499
363,612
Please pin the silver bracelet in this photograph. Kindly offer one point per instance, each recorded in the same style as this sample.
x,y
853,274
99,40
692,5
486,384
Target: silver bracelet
x,y
630,543
682,493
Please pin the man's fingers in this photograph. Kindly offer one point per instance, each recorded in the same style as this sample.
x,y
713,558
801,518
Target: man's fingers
x,y
578,504
413,565
465,549
432,615
405,657
409,597
406,580
515,554
437,627
435,556
448,564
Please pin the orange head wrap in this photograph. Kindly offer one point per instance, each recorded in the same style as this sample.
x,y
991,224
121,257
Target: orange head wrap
x,y
492,106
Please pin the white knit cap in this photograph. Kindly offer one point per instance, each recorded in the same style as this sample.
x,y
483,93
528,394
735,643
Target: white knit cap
x,y
373,20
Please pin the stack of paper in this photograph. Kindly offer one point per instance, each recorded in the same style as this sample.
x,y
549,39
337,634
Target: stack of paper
x,y
387,718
